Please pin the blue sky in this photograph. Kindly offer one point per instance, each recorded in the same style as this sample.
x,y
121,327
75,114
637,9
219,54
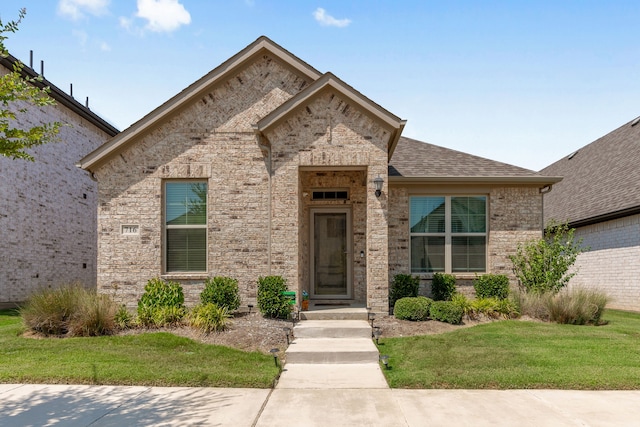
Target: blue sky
x,y
523,82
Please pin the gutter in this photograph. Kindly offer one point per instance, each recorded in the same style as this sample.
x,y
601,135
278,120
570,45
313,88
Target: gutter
x,y
545,181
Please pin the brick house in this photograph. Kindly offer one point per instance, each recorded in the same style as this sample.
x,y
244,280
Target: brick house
x,y
600,197
266,166
48,207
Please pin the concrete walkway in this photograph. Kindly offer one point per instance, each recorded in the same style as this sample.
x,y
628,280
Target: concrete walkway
x,y
64,405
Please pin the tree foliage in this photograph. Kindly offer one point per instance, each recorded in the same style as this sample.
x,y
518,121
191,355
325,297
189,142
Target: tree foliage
x,y
17,92
543,265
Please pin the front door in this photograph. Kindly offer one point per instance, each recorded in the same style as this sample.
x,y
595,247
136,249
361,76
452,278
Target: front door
x,y
331,253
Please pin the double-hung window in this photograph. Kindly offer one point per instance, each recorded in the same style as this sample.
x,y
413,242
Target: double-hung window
x,y
185,226
448,234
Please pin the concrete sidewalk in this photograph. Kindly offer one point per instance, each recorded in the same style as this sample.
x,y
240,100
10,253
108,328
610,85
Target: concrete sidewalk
x,y
64,405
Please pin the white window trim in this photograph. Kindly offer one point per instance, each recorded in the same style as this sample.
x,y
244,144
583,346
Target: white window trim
x,y
448,234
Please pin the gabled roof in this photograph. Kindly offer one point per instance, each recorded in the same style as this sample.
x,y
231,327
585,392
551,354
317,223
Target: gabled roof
x,y
329,80
416,161
601,180
194,91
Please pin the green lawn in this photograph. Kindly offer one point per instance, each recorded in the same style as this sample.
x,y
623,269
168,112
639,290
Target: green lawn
x,y
159,359
518,354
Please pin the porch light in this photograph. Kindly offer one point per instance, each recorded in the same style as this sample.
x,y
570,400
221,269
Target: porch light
x,y
377,332
274,352
385,360
378,183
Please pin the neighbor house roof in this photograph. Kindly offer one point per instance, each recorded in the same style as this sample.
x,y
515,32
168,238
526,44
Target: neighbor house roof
x,y
61,97
194,91
600,179
415,161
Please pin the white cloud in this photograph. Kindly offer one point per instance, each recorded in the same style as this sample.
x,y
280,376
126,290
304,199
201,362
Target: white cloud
x,y
76,9
163,15
329,21
104,46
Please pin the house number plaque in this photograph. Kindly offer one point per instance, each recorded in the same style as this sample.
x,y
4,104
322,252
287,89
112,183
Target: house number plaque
x,y
131,229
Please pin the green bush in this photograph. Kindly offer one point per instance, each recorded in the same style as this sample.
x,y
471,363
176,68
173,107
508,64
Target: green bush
x,y
446,311
465,304
123,319
443,286
403,285
69,310
209,317
507,308
577,306
161,304
271,302
221,291
412,308
492,286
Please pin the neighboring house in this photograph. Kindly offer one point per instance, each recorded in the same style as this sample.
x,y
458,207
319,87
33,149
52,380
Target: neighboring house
x,y
48,207
600,197
266,166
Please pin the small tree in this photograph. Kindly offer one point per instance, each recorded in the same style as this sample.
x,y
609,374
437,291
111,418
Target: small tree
x,y
543,265
16,91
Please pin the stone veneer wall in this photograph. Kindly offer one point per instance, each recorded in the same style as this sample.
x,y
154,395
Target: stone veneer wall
x,y
515,215
48,209
329,132
212,139
612,261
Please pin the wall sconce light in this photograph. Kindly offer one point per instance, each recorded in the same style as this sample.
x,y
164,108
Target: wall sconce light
x,y
385,360
378,183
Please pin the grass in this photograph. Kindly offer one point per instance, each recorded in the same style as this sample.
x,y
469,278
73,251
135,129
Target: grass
x,y
521,355
155,359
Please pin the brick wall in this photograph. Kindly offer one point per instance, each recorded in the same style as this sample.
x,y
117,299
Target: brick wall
x,y
612,262
47,209
515,215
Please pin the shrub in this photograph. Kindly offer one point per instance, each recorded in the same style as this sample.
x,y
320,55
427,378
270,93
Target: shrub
x,y
534,305
446,311
465,305
443,286
507,308
543,265
221,291
577,306
412,308
123,319
69,310
403,285
161,304
271,302
486,306
209,317
492,286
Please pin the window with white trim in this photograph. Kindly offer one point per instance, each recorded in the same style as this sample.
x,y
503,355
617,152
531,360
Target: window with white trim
x,y
185,226
448,234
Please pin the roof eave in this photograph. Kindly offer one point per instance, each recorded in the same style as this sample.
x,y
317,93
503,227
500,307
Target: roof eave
x,y
95,158
533,180
634,210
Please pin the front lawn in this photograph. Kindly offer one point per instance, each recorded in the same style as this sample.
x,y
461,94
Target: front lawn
x,y
515,354
157,359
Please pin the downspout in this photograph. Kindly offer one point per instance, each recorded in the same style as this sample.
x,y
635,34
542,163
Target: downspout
x,y
544,190
266,146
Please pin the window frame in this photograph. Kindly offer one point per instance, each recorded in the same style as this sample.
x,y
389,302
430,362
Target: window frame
x,y
449,234
166,227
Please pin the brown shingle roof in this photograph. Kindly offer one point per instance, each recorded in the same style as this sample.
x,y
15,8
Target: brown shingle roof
x,y
601,180
418,159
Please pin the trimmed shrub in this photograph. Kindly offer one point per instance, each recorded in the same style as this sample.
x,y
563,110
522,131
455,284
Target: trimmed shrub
x,y
221,291
492,286
443,286
412,308
69,310
271,302
161,304
209,318
577,306
446,311
402,286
